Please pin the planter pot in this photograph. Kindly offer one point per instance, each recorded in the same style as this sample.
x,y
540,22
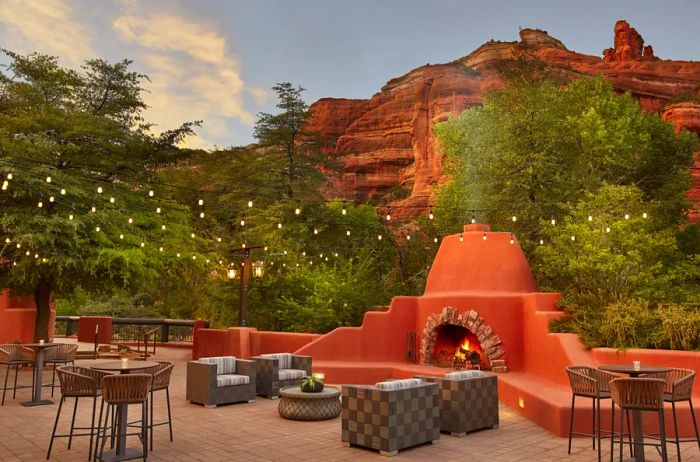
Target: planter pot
x,y
314,387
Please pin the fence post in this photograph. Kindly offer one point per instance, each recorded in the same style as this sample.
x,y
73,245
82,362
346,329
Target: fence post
x,y
164,332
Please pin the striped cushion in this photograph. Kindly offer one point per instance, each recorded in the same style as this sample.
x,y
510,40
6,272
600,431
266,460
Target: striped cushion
x,y
224,364
288,374
285,359
226,380
398,384
461,375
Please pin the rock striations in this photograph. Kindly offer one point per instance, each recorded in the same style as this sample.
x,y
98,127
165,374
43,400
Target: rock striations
x,y
386,143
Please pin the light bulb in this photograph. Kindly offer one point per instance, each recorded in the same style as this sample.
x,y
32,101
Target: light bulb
x,y
297,211
192,235
7,240
279,225
408,237
97,229
70,216
573,238
27,253
554,222
320,255
200,202
435,240
315,231
178,255
541,241
303,254
514,218
512,240
607,229
19,246
131,220
9,176
243,246
242,222
162,227
63,191
99,190
40,204
201,214
151,193
250,203
627,217
344,212
335,254
347,232
473,219
590,218
461,237
218,239
5,184
121,236
285,252
51,199
484,236
194,257
93,209
388,217
111,200
143,244
311,262
379,237
48,179
36,255
208,261
644,215
157,209
265,249
326,259
430,214
160,249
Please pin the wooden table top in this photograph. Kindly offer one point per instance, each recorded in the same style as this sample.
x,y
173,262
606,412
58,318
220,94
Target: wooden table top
x,y
630,370
117,366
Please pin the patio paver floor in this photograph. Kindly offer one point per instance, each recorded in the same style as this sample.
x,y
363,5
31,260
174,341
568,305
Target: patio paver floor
x,y
255,432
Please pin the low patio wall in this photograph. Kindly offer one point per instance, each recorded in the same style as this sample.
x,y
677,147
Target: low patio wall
x,y
244,342
17,317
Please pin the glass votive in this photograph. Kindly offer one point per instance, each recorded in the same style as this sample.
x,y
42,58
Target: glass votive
x,y
637,365
41,341
125,362
320,375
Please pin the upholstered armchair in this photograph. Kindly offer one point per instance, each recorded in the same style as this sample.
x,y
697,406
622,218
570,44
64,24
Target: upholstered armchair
x,y
390,416
468,401
220,380
279,370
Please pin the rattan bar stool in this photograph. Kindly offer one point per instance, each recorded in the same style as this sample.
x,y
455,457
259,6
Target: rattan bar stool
x,y
17,356
62,355
124,389
679,388
641,395
161,381
588,382
77,382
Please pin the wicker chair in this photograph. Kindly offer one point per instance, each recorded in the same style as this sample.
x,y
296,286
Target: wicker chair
x,y
679,388
77,382
390,419
220,380
467,404
588,382
161,381
279,370
124,389
639,395
17,356
61,354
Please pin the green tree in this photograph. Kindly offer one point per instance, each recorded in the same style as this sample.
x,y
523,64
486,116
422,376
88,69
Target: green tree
x,y
77,161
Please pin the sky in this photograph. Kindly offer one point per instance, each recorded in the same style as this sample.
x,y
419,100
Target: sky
x,y
215,60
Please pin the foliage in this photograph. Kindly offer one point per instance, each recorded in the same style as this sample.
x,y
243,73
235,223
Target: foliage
x,y
70,141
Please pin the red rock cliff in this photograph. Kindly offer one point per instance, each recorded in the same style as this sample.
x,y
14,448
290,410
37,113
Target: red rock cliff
x,y
386,143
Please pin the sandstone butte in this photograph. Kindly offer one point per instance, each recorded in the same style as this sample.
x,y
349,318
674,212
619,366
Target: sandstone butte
x,y
387,141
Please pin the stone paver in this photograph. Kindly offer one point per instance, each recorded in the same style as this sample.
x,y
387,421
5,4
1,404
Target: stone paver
x,y
255,432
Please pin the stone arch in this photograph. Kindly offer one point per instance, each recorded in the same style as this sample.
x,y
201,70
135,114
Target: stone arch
x,y
471,320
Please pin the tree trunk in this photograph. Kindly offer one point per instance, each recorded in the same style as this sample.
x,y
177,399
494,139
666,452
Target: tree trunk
x,y
42,298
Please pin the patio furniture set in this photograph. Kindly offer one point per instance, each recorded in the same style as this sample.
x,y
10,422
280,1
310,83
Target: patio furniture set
x,y
646,390
389,416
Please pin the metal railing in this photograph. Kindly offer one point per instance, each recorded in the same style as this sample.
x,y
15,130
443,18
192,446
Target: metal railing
x,y
136,330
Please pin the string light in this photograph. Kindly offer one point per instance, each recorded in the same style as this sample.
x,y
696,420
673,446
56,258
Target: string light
x,y
99,190
484,236
435,240
303,254
63,191
48,179
279,225
121,236
192,235
194,257
131,220
315,231
40,204
297,211
200,202
112,200
97,229
514,218
607,229
160,249
7,240
430,214
9,176
627,217
347,232
553,221
379,237
162,227
644,215
70,216
51,198
573,238
27,253
344,211
461,237
512,239
143,244
93,209
201,214
541,241
19,246
408,237
178,255
388,214
157,209
250,203
5,184
590,218
218,239
265,249
285,252
151,193
242,222
336,254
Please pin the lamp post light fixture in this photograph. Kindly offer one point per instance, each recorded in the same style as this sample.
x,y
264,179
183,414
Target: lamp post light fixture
x,y
244,271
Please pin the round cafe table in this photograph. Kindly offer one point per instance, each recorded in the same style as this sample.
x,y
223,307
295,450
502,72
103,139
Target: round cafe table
x,y
39,348
122,452
637,434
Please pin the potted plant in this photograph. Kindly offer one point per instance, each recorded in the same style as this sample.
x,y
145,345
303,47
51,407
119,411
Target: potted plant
x,y
124,353
311,384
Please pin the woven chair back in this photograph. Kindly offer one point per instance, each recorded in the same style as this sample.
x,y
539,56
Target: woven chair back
x,y
638,393
13,352
62,352
79,381
126,388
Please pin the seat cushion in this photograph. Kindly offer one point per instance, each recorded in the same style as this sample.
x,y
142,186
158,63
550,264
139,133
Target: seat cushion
x,y
461,375
398,384
285,359
227,380
224,364
289,374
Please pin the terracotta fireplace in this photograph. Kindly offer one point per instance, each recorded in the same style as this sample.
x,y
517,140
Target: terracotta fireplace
x,y
454,339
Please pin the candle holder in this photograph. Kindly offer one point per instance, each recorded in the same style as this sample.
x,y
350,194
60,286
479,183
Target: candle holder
x,y
637,365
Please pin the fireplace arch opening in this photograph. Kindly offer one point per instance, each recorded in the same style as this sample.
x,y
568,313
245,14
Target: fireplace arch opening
x,y
458,348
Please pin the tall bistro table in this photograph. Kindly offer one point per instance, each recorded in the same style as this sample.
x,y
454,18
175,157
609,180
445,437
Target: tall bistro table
x,y
636,415
39,348
122,452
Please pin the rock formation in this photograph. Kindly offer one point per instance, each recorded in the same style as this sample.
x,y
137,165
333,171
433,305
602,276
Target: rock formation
x,y
386,143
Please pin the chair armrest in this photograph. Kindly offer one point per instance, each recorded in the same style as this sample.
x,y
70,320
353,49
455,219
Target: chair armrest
x,y
246,367
302,362
683,388
201,381
5,356
603,379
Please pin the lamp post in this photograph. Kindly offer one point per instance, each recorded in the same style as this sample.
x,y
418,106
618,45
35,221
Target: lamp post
x,y
258,270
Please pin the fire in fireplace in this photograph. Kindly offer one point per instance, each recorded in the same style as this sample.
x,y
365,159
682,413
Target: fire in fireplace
x,y
457,347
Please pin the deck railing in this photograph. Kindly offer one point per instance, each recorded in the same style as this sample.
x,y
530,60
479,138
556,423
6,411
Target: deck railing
x,y
128,330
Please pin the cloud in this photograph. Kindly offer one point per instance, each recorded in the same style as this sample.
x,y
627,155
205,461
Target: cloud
x,y
193,73
46,26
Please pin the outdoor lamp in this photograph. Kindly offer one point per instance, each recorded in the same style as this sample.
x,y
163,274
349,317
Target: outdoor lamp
x,y
258,269
232,273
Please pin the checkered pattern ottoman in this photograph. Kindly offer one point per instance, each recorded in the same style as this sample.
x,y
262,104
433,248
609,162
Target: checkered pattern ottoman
x,y
467,404
390,420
